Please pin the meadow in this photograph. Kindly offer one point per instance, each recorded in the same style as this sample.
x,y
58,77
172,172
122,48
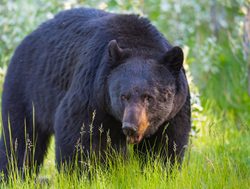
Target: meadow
x,y
211,33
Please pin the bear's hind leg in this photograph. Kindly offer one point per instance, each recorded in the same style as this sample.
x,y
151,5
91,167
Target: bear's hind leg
x,y
22,145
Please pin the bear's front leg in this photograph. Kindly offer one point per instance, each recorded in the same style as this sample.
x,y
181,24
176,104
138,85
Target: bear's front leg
x,y
82,134
72,133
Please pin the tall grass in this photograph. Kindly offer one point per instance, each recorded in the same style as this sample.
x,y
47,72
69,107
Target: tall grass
x,y
217,157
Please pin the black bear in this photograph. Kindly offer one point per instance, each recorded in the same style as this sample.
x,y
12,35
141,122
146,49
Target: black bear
x,y
87,73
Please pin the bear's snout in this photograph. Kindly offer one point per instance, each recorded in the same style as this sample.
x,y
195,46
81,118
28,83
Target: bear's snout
x,y
135,123
129,129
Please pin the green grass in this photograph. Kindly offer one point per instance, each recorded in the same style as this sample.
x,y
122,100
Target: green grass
x,y
218,155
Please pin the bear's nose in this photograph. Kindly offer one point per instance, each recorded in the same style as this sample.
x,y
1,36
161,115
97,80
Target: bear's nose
x,y
129,129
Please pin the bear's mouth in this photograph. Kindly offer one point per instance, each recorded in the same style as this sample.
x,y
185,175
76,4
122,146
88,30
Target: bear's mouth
x,y
134,139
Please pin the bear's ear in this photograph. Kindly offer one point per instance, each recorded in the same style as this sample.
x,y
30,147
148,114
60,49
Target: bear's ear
x,y
116,54
174,59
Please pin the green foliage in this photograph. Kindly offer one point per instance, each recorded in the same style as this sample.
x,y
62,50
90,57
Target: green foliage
x,y
210,33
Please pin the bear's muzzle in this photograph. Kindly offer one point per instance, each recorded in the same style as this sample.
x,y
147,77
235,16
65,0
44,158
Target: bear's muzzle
x,y
135,123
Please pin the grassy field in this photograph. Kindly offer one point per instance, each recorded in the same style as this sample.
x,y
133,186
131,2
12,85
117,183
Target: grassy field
x,y
218,155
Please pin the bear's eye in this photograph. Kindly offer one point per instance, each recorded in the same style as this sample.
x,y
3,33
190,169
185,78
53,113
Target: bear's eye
x,y
125,97
147,98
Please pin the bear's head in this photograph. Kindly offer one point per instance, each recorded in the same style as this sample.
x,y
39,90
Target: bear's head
x,y
144,93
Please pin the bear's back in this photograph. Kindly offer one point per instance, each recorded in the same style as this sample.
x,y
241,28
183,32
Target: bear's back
x,y
43,65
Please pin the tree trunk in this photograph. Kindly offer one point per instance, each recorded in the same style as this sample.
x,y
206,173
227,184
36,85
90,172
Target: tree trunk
x,y
214,18
247,44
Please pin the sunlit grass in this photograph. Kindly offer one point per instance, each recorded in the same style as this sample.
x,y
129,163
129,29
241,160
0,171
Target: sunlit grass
x,y
217,157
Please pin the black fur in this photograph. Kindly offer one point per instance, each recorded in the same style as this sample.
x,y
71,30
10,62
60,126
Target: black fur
x,y
58,82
